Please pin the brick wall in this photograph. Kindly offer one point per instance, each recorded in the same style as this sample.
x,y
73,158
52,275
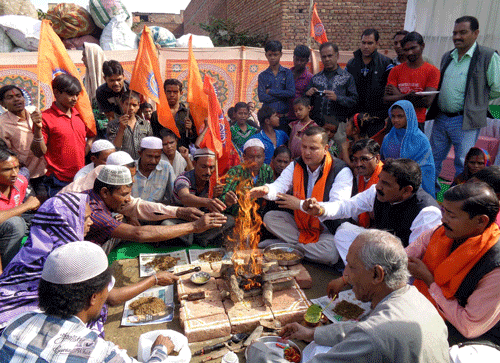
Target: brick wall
x,y
288,20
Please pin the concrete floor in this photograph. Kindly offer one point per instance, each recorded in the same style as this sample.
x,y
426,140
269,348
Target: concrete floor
x,y
127,272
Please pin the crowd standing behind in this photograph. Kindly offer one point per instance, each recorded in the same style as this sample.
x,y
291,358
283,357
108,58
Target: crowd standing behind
x,y
327,156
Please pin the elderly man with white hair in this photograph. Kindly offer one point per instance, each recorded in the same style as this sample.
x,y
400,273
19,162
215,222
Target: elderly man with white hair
x,y
74,286
99,152
252,169
402,326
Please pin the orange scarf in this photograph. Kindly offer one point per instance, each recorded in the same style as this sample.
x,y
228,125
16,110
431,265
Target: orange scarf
x,y
309,226
450,269
364,218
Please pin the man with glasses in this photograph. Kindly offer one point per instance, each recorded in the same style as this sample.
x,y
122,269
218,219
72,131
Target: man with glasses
x,y
396,203
365,159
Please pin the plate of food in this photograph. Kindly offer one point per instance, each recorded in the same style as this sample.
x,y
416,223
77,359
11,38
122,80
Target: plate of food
x,y
151,263
208,255
285,254
285,348
153,306
426,93
345,307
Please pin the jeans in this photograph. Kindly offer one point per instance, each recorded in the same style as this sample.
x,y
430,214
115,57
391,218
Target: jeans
x,y
448,131
12,232
54,185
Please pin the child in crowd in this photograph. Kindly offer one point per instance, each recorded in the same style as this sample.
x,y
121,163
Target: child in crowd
x,y
253,114
361,126
301,108
127,131
145,111
476,159
230,116
406,140
281,158
241,131
271,137
108,95
179,159
331,130
62,135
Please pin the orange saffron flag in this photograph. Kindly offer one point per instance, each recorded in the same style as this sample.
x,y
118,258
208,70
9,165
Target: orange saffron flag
x,y
53,60
218,136
146,79
197,99
317,29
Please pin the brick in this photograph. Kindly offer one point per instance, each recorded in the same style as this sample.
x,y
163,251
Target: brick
x,y
245,316
304,279
289,305
210,327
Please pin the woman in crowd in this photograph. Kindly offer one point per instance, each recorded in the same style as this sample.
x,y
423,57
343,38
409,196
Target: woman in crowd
x,y
476,159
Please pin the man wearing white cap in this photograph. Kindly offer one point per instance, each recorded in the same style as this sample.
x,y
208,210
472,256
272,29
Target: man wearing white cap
x,y
111,193
253,168
154,180
75,283
191,189
99,153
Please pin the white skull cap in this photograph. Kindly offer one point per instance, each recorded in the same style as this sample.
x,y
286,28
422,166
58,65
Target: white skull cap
x,y
101,145
152,142
253,143
115,175
203,152
119,158
74,262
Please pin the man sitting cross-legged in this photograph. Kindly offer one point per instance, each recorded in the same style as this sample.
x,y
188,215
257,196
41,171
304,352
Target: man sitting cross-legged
x,y
315,174
397,202
401,327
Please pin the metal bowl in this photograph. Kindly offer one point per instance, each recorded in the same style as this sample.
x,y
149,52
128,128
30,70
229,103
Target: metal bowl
x,y
285,247
270,342
200,278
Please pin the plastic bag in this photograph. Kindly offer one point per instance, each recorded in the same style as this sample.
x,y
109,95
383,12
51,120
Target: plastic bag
x,y
70,21
22,30
118,36
199,41
102,11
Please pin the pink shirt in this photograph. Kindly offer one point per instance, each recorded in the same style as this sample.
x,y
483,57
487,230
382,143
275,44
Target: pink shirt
x,y
18,134
482,311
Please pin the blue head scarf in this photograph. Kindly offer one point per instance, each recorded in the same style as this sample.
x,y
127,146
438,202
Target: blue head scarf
x,y
414,146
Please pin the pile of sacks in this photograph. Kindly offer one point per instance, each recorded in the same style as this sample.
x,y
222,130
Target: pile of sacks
x,y
106,22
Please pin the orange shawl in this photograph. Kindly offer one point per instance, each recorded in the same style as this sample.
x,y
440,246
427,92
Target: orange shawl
x,y
450,269
309,226
364,218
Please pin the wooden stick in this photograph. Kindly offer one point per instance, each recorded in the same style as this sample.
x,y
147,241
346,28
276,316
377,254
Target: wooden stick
x,y
267,293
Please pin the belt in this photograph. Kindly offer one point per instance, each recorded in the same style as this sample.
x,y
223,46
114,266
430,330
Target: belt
x,y
453,114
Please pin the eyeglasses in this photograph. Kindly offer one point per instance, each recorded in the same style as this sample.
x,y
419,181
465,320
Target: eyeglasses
x,y
363,159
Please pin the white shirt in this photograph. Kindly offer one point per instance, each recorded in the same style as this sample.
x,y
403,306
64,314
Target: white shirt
x,y
341,187
428,218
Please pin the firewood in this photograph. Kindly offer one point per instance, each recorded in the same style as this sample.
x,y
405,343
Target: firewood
x,y
255,335
279,275
236,293
267,293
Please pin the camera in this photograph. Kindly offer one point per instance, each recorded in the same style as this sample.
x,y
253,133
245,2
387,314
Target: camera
x,y
320,93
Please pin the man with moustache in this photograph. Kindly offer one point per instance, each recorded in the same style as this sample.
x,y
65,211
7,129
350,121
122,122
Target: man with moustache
x,y
154,180
365,158
470,77
457,265
397,203
314,174
400,54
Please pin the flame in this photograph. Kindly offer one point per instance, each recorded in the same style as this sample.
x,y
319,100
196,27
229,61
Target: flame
x,y
252,284
247,231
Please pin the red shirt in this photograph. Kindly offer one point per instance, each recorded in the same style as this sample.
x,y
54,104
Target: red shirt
x,y
17,194
407,79
65,140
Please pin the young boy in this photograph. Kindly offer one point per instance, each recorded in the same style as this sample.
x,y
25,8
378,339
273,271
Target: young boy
x,y
61,135
180,111
276,85
241,131
127,131
179,159
271,138
301,108
146,110
108,95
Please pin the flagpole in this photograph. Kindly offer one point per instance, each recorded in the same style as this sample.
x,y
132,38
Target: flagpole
x,y
311,4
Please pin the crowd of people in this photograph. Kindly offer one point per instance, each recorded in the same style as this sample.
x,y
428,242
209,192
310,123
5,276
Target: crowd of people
x,y
334,159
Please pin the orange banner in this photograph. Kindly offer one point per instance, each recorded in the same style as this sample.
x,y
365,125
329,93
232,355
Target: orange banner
x,y
197,99
317,29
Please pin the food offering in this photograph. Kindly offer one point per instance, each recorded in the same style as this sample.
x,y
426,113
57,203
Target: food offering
x,y
151,263
284,254
153,306
285,348
344,307
208,255
200,278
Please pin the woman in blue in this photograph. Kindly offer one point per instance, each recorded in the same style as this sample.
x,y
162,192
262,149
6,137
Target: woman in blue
x,y
406,140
